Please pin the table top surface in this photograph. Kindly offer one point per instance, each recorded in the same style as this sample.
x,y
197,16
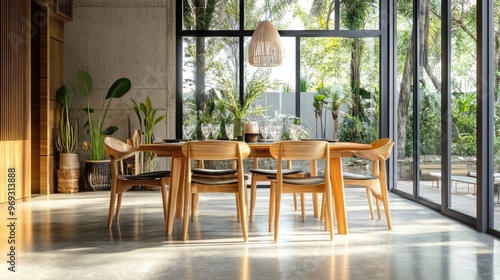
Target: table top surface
x,y
257,149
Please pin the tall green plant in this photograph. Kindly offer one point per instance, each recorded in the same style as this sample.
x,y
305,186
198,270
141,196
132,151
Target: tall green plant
x,y
97,133
150,119
67,133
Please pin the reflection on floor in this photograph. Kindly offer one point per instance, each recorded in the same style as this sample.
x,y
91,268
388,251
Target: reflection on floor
x,y
64,236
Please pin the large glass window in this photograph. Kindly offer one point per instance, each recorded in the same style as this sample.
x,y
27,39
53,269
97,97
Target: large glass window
x,y
215,72
336,50
210,15
360,14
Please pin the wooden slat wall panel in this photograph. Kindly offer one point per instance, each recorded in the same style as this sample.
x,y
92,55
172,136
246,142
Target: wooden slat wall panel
x,y
48,171
14,97
44,117
56,30
64,9
14,154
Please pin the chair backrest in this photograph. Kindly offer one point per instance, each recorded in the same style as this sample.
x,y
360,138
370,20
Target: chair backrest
x,y
215,150
301,150
381,150
118,150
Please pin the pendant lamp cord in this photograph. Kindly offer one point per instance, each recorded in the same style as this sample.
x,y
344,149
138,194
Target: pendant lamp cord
x,y
269,16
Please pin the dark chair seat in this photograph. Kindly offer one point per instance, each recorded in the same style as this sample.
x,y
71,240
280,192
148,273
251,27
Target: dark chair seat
x,y
354,176
213,172
149,175
273,171
216,181
301,180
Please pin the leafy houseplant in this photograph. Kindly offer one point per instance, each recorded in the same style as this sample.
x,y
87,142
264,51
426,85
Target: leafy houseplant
x,y
241,110
150,121
84,86
66,142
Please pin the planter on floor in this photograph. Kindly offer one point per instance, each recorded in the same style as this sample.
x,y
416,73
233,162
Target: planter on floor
x,y
97,175
68,173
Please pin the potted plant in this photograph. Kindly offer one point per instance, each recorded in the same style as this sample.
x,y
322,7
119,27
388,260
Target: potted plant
x,y
150,120
67,144
97,169
241,110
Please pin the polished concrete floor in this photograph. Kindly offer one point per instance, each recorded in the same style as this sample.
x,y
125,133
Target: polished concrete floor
x,y
64,236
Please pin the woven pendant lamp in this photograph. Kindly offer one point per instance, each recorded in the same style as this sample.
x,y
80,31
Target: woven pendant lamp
x,y
265,48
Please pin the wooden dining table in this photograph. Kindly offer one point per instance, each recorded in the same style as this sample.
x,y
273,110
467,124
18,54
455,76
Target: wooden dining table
x,y
259,150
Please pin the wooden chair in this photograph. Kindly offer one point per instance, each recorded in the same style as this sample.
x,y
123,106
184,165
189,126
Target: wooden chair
x,y
259,175
118,151
376,182
301,150
194,184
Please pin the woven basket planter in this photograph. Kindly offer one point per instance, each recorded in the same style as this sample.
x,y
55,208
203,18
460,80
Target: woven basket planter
x,y
68,173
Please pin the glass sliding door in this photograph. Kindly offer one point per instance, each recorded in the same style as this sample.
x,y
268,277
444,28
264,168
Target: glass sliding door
x,y
419,108
429,102
495,200
463,107
405,62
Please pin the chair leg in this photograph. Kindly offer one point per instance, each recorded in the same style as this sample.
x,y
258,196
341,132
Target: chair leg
x,y
322,212
377,202
238,212
187,206
370,202
253,196
329,213
303,206
387,213
294,201
164,199
315,205
385,200
112,200
194,205
272,198
277,194
196,199
243,211
118,206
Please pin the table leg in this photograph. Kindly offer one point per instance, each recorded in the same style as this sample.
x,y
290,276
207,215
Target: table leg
x,y
176,184
338,193
180,194
313,166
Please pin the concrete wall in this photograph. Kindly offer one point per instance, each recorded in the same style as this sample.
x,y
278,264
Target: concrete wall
x,y
124,38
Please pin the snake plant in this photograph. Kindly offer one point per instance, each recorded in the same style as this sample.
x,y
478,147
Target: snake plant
x,y
67,132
